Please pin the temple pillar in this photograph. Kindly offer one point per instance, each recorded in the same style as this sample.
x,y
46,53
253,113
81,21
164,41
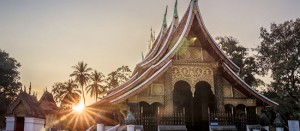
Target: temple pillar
x,y
168,96
34,124
218,80
100,127
10,123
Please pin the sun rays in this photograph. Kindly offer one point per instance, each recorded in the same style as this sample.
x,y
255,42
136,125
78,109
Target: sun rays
x,y
80,117
78,108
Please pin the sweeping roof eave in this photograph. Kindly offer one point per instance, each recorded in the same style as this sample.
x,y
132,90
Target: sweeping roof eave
x,y
163,57
246,87
212,42
142,85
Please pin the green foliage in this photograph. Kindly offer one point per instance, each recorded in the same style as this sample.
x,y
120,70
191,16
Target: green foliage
x,y
279,52
238,54
9,76
81,74
96,88
66,93
9,85
118,77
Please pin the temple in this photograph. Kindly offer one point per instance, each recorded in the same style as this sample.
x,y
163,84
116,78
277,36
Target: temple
x,y
186,79
29,114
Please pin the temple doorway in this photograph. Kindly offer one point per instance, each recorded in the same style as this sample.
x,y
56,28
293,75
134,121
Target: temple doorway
x,y
150,110
182,101
196,109
148,115
203,103
19,123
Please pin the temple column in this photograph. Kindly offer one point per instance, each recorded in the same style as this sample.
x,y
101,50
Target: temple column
x,y
168,96
218,80
10,123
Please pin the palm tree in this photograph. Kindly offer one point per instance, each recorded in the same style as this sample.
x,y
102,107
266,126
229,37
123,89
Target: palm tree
x,y
96,88
72,93
81,74
66,93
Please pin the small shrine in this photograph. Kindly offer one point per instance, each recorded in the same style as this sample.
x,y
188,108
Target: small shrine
x,y
28,114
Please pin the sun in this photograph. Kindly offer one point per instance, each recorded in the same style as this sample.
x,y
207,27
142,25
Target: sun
x,y
78,108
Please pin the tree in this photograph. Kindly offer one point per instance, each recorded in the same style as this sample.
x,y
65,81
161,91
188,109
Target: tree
x,y
96,87
81,74
57,91
118,77
238,54
66,93
9,76
279,52
9,82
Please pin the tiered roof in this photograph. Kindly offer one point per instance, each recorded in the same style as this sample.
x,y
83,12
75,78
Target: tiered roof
x,y
29,103
33,107
168,42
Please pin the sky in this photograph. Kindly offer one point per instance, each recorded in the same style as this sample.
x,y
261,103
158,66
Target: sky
x,y
48,37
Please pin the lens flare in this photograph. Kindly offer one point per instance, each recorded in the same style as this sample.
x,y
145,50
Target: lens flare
x,y
78,108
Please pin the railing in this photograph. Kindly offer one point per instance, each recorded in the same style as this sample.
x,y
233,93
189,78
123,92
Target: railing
x,y
150,122
240,121
222,118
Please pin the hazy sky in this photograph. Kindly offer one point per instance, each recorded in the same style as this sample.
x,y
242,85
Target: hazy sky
x,y
49,36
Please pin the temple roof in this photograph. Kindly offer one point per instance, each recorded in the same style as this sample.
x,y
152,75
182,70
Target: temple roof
x,y
28,106
160,57
47,103
245,87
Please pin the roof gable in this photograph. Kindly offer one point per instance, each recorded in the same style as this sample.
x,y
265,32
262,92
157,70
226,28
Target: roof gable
x,y
47,103
28,103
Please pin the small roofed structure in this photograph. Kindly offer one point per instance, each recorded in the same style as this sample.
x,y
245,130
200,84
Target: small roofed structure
x,y
50,109
47,103
29,114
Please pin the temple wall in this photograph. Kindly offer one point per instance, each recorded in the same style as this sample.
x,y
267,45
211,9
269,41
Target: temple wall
x,y
238,101
10,123
168,92
227,89
193,73
34,124
155,92
192,65
30,124
219,90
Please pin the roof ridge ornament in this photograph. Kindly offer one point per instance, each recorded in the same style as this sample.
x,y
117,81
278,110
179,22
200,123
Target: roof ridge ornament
x,y
142,55
175,15
152,39
165,20
29,89
175,10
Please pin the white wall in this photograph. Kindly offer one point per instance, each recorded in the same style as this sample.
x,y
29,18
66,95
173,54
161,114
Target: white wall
x,y
30,124
34,124
10,123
